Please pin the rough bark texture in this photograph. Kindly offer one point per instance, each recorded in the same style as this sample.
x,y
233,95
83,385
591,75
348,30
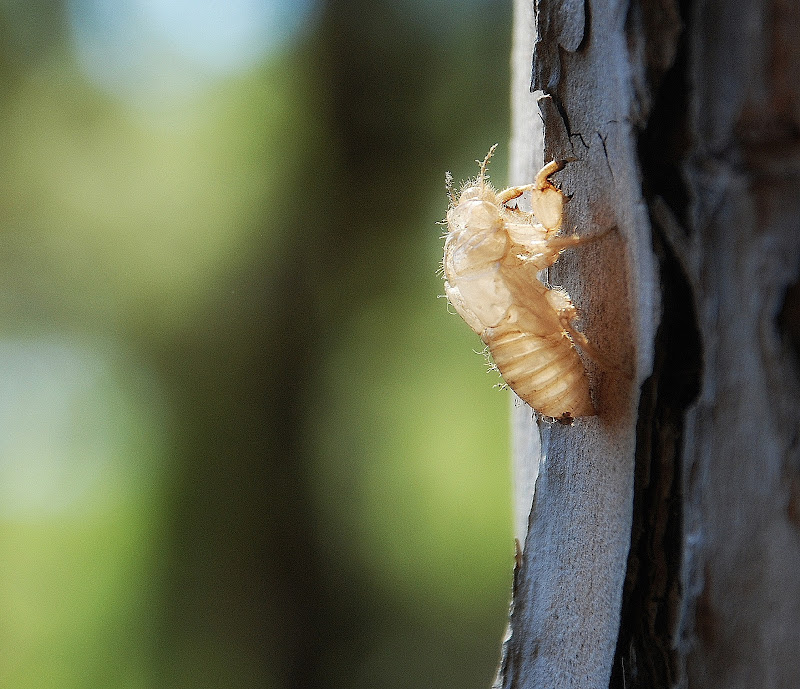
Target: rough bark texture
x,y
663,547
568,589
741,625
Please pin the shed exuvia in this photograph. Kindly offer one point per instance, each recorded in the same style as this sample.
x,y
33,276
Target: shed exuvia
x,y
492,255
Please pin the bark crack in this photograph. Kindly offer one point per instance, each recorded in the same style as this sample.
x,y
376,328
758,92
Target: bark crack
x,y
647,654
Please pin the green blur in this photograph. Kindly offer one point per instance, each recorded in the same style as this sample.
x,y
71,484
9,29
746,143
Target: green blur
x,y
242,442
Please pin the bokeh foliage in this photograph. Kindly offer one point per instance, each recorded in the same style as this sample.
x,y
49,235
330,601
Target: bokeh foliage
x,y
243,443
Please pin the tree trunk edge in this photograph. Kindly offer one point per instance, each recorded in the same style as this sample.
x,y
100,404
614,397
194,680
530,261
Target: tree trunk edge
x,y
568,588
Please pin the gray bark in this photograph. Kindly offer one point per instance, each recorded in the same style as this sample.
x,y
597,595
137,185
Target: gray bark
x,y
663,547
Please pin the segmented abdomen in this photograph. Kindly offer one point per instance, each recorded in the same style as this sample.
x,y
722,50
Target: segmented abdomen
x,y
544,370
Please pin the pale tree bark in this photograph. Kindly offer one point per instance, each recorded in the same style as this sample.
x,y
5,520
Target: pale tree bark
x,y
663,545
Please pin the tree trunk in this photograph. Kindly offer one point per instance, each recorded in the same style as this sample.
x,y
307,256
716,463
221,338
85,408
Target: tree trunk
x,y
663,547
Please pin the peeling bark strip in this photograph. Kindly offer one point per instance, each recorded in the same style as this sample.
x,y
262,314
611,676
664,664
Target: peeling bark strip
x,y
569,587
680,122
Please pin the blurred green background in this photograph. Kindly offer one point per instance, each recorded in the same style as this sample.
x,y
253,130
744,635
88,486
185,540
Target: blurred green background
x,y
242,442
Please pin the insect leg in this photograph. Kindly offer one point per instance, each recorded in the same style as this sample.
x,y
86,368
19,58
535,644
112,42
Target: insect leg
x,y
514,192
567,313
540,184
582,341
541,250
560,242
